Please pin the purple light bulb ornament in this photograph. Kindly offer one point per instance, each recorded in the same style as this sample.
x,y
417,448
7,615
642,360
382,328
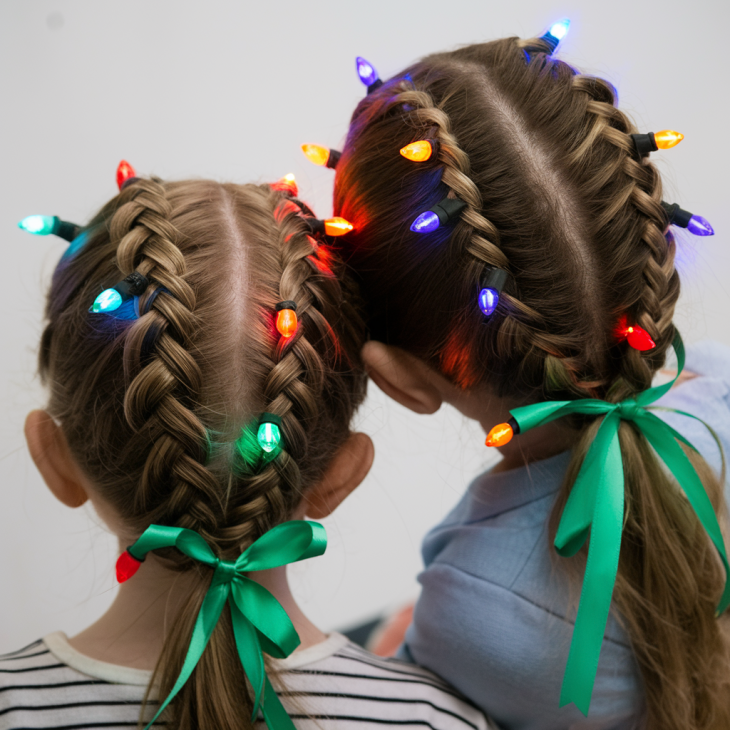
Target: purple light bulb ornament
x,y
492,285
444,211
367,73
700,226
695,224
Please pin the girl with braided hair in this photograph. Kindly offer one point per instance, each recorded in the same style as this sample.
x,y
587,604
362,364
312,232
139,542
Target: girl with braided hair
x,y
202,404
518,263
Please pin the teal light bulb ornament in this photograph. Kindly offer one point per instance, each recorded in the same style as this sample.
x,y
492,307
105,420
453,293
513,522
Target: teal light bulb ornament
x,y
269,436
108,301
40,225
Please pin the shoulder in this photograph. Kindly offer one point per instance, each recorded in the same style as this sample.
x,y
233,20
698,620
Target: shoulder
x,y
351,687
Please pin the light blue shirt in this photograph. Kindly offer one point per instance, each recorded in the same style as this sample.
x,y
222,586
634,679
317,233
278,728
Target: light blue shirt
x,y
495,617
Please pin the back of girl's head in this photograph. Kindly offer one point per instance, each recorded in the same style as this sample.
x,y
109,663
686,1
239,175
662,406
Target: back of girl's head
x,y
555,195
161,411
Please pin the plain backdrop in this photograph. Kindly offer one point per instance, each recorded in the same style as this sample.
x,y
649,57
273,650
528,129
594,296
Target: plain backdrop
x,y
229,90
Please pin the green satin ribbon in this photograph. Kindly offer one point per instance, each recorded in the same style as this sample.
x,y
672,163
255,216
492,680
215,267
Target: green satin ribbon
x,y
596,506
260,624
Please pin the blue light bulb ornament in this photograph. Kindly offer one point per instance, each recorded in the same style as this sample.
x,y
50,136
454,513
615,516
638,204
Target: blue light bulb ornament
x,y
108,301
444,211
556,33
46,225
111,299
367,73
492,287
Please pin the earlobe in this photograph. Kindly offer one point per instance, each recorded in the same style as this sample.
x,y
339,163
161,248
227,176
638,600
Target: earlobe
x,y
347,470
402,377
49,451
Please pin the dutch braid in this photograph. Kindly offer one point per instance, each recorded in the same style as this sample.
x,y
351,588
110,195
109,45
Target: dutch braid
x,y
176,487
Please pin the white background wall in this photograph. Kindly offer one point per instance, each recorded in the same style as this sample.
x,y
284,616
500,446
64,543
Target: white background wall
x,y
229,90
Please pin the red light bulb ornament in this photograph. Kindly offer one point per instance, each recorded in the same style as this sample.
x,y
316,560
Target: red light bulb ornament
x,y
321,155
286,318
287,184
636,336
127,565
125,173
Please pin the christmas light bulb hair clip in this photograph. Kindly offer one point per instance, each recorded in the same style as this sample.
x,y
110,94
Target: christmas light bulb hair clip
x,y
420,151
443,212
653,141
556,33
126,174
636,336
269,432
367,74
286,184
330,226
286,318
111,299
50,225
492,286
695,224
323,156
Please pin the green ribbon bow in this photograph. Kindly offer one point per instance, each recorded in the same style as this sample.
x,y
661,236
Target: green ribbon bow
x,y
596,505
260,624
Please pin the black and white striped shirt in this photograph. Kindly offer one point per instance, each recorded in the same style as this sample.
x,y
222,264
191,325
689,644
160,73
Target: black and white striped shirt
x,y
334,685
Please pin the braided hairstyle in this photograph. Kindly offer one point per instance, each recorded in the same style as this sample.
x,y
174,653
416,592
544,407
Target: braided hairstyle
x,y
157,411
557,196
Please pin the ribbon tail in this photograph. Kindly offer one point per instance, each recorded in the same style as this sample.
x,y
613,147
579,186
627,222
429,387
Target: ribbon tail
x,y
598,583
661,437
208,615
249,652
275,715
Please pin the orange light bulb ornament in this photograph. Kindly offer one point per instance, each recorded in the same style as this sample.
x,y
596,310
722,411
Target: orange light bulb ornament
x,y
321,155
502,433
337,226
286,318
667,138
125,172
419,151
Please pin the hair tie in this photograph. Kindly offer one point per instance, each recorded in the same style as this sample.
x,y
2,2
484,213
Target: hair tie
x,y
258,618
596,506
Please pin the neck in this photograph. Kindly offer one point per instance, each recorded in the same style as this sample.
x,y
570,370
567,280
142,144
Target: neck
x,y
132,631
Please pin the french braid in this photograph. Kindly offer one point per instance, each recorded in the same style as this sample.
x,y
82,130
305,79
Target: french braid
x,y
558,197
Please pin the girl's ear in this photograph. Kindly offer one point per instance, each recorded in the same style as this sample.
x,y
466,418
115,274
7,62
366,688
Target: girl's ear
x,y
51,455
346,471
402,376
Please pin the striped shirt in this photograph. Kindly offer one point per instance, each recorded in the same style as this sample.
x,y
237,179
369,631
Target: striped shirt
x,y
334,684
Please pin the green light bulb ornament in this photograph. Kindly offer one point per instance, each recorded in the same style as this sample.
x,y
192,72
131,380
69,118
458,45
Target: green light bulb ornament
x,y
269,433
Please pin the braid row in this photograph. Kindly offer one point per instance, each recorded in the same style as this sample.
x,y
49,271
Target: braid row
x,y
162,388
294,382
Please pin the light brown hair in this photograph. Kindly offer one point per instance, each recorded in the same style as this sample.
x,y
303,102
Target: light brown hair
x,y
557,196
155,409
